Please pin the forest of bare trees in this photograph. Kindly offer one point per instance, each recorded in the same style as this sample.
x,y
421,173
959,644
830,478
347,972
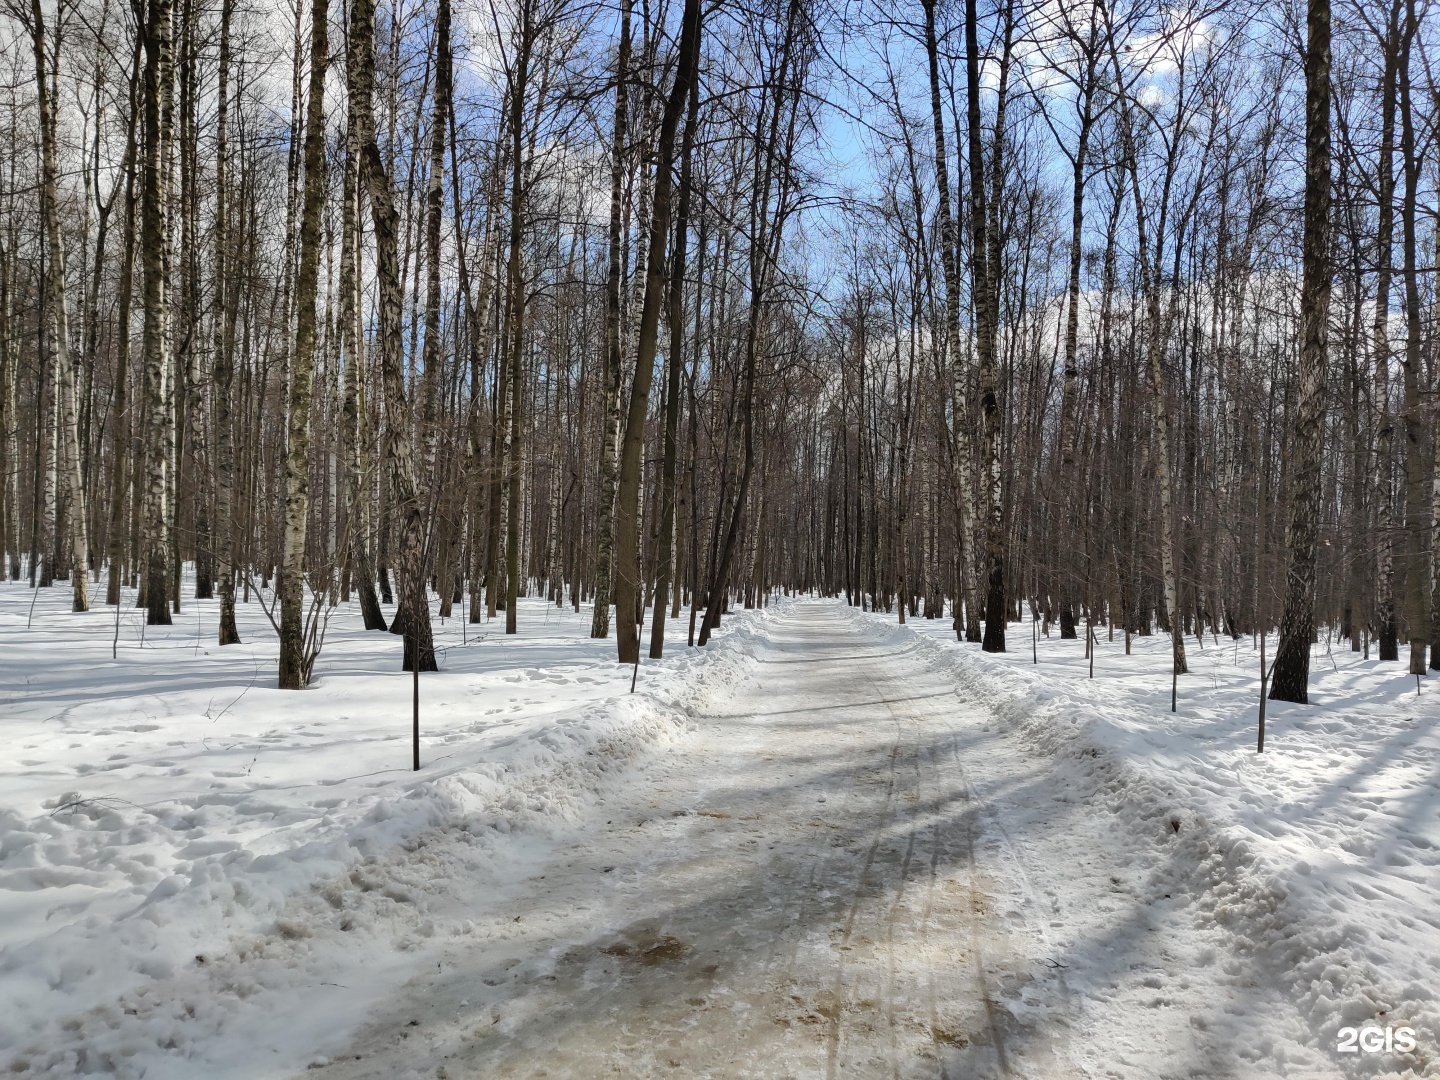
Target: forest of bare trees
x,y
1116,312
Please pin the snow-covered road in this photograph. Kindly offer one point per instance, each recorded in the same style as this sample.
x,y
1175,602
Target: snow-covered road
x,y
830,879
809,887
824,846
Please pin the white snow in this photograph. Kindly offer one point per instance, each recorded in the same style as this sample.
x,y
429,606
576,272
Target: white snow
x,y
203,875
199,871
1315,865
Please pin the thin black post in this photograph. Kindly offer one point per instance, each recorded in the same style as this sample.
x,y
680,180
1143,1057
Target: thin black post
x,y
639,635
1264,678
414,636
1174,673
35,595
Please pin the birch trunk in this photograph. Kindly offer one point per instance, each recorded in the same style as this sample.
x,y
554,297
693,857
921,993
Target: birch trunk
x,y
1297,623
294,661
225,309
1417,498
352,340
665,558
72,520
1385,629
627,504
415,609
604,556
154,237
949,251
1155,334
515,314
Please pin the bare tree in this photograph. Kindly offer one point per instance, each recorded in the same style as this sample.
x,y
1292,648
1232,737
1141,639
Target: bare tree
x,y
294,664
1292,654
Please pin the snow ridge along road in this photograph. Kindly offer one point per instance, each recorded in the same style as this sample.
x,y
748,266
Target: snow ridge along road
x,y
1308,874
201,875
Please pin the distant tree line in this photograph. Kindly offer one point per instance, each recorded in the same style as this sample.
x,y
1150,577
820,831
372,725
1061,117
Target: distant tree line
x,y
1121,312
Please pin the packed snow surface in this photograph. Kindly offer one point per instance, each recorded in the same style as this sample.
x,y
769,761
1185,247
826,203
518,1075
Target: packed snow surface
x,y
825,845
200,873
1311,871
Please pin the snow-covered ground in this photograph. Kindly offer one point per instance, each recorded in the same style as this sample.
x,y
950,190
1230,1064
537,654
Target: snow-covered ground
x,y
1315,866
201,875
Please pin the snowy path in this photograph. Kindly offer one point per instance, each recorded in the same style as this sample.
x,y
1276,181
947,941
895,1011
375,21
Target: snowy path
x,y
824,846
810,886
853,868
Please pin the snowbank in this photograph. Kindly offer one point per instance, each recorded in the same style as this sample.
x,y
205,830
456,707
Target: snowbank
x,y
1319,858
202,875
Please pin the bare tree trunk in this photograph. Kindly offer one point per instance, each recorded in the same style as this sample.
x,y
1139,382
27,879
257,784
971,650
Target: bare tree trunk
x,y
294,663
352,342
419,644
985,287
1068,404
627,503
1297,623
68,440
9,512
154,239
766,231
949,258
499,429
478,318
434,209
224,345
120,431
515,311
674,362
192,475
605,556
1417,498
1155,326
1385,628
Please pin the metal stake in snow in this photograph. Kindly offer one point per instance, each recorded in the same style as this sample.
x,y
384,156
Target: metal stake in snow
x,y
414,636
35,595
1174,672
1260,739
635,673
